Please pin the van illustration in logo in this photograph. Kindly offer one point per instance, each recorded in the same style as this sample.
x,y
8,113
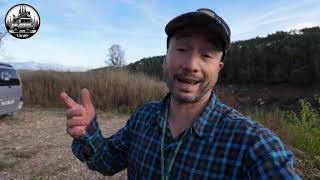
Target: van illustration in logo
x,y
22,21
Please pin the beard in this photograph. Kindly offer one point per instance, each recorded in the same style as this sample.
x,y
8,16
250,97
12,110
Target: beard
x,y
205,85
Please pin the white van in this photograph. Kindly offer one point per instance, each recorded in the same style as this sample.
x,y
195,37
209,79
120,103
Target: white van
x,y
10,90
26,24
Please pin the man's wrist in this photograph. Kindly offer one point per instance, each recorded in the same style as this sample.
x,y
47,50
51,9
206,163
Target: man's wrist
x,y
85,145
91,130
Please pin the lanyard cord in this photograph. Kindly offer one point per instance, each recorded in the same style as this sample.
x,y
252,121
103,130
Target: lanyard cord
x,y
165,173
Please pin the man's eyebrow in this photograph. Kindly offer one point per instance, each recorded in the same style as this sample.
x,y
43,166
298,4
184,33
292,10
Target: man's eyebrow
x,y
182,35
215,42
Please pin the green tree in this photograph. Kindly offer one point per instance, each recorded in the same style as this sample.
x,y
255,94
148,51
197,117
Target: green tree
x,y
283,57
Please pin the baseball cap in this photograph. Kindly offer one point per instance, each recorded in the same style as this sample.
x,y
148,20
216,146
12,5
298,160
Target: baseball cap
x,y
205,18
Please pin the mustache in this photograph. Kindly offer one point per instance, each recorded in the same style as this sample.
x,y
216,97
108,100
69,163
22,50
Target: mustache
x,y
188,75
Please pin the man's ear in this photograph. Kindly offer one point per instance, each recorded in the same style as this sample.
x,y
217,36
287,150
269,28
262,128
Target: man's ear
x,y
221,64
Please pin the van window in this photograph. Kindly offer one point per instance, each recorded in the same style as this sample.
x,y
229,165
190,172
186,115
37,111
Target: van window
x,y
9,77
25,20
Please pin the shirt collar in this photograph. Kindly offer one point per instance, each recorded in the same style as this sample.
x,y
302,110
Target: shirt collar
x,y
209,116
211,112
164,104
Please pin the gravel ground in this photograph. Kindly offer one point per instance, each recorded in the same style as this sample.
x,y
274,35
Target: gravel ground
x,y
34,145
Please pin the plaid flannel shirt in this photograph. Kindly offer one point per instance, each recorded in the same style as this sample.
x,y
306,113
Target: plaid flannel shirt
x,y
221,144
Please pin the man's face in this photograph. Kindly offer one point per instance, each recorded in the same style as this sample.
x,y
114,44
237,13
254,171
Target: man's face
x,y
192,65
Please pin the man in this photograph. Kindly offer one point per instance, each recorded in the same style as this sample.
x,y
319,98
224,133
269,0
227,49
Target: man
x,y
190,134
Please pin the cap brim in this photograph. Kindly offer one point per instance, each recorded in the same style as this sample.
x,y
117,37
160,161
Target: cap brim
x,y
198,19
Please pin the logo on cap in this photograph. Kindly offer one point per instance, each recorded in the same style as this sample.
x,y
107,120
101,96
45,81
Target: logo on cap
x,y
22,21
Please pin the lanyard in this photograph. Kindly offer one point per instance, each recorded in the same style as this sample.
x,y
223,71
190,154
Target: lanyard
x,y
165,173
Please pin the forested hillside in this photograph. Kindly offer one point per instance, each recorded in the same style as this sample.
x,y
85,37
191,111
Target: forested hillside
x,y
283,57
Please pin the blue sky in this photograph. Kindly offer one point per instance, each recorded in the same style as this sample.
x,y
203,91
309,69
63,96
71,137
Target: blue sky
x,y
79,32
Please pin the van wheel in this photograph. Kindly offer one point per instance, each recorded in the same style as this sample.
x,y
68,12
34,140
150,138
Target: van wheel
x,y
6,115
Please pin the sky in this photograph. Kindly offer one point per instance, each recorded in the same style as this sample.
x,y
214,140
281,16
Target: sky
x,y
79,32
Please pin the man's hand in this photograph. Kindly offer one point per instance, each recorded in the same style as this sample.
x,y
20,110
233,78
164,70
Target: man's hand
x,y
79,116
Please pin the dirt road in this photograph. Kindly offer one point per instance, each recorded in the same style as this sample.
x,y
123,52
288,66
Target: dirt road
x,y
34,145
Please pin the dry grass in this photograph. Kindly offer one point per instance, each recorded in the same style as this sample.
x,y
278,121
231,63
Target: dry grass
x,y
116,89
11,158
21,155
6,165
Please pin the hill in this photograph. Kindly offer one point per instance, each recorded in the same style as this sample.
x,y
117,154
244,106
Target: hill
x,y
283,57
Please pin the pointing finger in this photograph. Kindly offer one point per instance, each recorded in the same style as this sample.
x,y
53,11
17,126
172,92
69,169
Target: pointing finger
x,y
68,101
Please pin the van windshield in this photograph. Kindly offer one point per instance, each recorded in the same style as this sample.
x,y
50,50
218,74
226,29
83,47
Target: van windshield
x,y
9,77
25,20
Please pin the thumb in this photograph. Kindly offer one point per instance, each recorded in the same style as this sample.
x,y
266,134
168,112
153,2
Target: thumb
x,y
85,98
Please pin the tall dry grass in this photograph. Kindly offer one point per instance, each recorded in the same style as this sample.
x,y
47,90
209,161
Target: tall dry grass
x,y
115,89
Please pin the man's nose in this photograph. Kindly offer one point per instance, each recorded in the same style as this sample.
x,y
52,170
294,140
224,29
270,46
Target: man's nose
x,y
191,63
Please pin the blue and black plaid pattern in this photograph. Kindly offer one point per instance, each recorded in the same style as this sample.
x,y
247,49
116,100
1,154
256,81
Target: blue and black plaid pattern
x,y
221,144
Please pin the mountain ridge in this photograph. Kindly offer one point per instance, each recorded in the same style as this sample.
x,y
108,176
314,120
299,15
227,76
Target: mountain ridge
x,y
35,66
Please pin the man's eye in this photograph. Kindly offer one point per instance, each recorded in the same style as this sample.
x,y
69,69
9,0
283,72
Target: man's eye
x,y
181,49
206,56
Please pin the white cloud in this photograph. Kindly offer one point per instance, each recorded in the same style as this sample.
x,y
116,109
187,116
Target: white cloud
x,y
278,16
74,8
53,50
301,26
281,10
150,10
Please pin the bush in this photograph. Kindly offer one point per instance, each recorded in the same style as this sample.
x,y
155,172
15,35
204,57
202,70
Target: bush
x,y
305,130
300,131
